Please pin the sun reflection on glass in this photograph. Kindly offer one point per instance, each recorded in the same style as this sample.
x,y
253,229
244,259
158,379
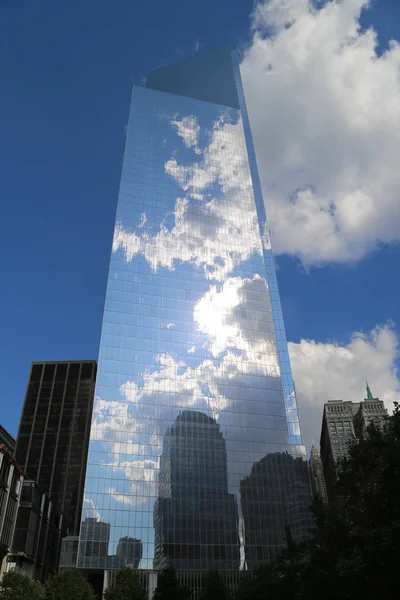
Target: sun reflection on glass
x,y
212,312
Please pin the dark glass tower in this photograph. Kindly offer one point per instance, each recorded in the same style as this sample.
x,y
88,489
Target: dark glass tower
x,y
274,496
130,551
194,386
195,517
53,434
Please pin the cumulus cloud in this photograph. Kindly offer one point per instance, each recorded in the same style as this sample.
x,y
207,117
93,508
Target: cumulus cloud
x,y
215,234
188,129
113,422
235,319
121,498
143,220
142,475
89,510
238,315
174,386
322,372
196,46
325,115
329,371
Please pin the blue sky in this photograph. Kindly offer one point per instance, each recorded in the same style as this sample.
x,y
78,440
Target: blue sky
x,y
67,73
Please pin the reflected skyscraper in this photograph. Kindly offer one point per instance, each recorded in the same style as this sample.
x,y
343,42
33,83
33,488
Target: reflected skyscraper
x,y
194,385
130,551
195,517
275,496
95,536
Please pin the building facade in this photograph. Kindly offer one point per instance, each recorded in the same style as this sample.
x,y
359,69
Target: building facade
x,y
53,434
39,528
7,442
343,422
97,536
194,384
372,410
274,496
11,480
317,477
130,551
195,516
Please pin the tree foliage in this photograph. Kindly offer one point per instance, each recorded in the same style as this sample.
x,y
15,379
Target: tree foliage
x,y
16,586
215,588
354,550
70,585
127,587
169,588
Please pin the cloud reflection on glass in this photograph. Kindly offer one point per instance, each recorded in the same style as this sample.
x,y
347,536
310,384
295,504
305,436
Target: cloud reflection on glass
x,y
194,392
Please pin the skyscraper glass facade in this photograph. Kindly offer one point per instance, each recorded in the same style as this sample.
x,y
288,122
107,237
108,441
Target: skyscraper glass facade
x,y
195,449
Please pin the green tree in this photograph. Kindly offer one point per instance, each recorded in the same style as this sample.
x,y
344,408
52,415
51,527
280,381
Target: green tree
x,y
70,585
16,586
169,588
353,552
281,579
356,546
215,588
127,587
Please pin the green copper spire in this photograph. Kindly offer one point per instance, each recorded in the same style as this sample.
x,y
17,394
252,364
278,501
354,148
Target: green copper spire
x,y
369,393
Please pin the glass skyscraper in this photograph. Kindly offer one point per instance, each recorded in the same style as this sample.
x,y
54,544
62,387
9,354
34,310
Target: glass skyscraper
x,y
195,449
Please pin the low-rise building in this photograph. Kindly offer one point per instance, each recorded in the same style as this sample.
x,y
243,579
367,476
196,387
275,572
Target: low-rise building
x,y
11,479
39,528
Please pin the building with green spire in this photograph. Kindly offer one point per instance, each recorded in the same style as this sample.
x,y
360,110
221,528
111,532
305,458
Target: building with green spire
x,y
369,393
371,410
342,422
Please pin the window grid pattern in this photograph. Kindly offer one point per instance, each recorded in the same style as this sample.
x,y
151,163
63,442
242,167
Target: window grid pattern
x,y
195,455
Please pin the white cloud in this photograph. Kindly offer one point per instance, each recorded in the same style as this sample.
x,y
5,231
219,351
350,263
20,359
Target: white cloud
x,y
188,129
121,498
143,477
242,344
129,242
322,372
212,313
235,316
196,45
89,510
143,220
174,386
215,234
114,425
328,371
325,115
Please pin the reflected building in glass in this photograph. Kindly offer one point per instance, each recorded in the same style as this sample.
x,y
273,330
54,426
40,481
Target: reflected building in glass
x,y
96,534
195,427
130,551
275,495
195,517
